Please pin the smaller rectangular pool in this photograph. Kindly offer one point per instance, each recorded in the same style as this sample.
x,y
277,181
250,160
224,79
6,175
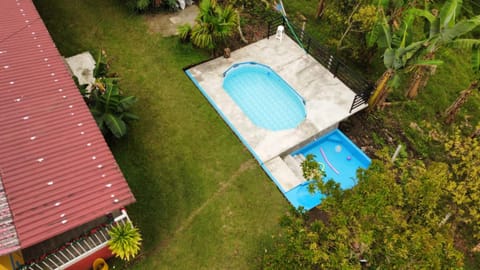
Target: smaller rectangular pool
x,y
341,159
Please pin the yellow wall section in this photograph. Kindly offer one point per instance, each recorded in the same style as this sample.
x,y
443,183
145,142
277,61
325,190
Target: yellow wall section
x,y
6,260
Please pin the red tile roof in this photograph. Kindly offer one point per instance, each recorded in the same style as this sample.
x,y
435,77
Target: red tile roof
x,y
55,166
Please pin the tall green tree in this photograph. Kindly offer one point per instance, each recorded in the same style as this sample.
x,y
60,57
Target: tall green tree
x,y
389,220
213,25
401,215
445,29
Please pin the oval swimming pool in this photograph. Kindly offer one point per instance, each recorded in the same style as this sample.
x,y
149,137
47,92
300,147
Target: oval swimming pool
x,y
266,99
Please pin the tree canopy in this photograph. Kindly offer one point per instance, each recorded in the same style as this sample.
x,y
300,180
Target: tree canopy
x,y
402,215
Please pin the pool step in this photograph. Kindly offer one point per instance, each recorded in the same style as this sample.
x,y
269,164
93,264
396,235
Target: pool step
x,y
285,178
300,157
295,164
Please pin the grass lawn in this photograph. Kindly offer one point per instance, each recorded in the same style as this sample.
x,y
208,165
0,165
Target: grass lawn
x,y
202,200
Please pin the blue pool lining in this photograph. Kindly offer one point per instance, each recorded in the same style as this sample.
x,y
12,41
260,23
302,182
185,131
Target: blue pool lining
x,y
345,140
235,131
269,68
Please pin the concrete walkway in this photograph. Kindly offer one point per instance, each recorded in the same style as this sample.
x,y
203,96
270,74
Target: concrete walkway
x,y
328,101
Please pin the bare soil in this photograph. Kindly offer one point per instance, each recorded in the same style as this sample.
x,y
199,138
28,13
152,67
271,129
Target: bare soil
x,y
167,23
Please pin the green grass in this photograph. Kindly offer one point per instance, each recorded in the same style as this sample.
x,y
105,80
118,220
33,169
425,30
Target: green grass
x,y
202,201
442,89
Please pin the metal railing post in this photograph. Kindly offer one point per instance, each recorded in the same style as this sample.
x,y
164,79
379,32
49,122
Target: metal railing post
x,y
308,44
268,29
335,71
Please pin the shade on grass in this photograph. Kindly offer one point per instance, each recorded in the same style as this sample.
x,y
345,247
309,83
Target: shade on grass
x,y
201,198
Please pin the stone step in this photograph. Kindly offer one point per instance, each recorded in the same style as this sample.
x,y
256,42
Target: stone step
x,y
295,164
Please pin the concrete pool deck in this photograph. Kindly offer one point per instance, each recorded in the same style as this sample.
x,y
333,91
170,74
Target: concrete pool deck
x,y
328,102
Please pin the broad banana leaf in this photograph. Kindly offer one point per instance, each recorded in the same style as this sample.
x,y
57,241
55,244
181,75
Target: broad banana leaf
x,y
115,125
459,29
126,102
449,12
428,62
129,116
389,57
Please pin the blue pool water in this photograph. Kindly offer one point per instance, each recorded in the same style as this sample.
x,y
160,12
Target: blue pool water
x,y
341,159
266,99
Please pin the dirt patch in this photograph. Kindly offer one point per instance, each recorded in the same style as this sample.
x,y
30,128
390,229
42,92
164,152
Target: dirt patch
x,y
167,23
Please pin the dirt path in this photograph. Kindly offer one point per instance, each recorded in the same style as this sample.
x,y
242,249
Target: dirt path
x,y
167,23
247,165
223,186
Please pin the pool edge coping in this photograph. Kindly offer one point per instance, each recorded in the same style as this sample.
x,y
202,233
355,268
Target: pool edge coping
x,y
235,131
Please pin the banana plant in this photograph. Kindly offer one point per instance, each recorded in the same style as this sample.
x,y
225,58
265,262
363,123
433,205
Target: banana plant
x,y
400,52
110,108
444,30
125,241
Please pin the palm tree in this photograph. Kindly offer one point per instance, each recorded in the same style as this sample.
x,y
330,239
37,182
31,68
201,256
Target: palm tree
x,y
125,240
213,24
465,94
399,53
443,31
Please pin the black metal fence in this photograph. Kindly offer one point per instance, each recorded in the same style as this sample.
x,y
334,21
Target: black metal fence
x,y
337,66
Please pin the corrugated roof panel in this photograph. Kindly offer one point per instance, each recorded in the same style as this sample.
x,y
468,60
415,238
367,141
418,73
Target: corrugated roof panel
x,y
56,168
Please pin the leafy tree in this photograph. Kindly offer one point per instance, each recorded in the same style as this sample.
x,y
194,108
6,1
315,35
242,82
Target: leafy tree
x,y
213,24
389,220
125,240
463,154
444,30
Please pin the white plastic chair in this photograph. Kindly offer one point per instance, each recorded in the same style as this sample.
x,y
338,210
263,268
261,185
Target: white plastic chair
x,y
279,34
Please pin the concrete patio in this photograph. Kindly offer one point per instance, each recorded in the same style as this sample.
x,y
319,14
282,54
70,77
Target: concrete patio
x,y
328,101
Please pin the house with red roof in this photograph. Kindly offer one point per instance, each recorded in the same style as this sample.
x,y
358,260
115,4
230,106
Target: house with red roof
x,y
60,187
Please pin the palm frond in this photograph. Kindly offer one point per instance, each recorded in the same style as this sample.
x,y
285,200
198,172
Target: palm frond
x,y
184,31
202,38
125,241
465,43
